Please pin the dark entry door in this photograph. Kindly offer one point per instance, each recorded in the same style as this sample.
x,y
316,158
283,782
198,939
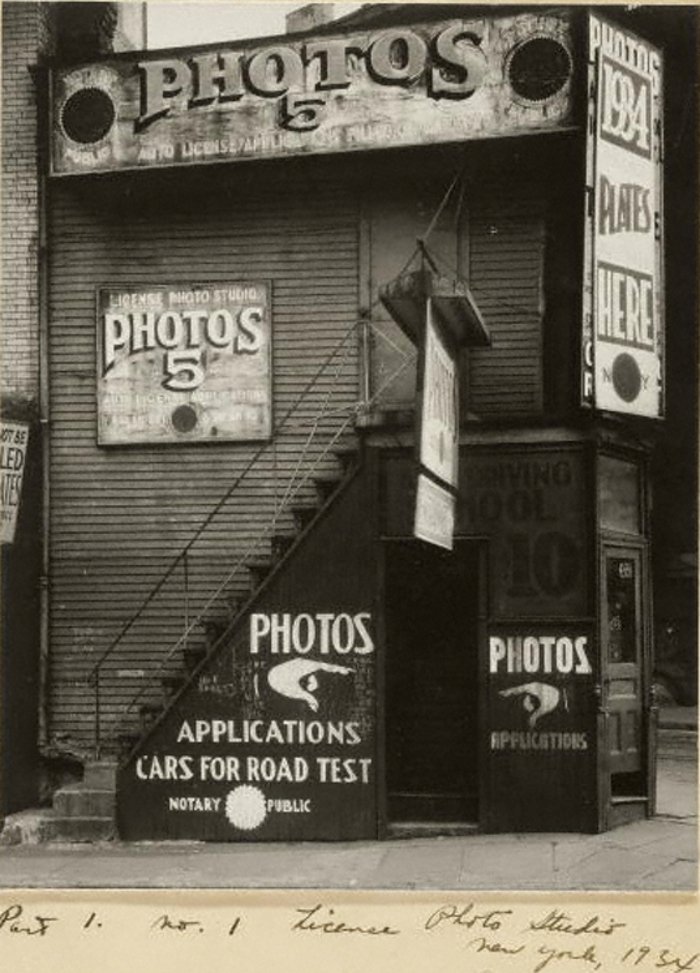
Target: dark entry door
x,y
622,636
431,681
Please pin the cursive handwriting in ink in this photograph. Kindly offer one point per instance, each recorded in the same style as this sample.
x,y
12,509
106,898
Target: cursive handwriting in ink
x,y
556,921
14,920
668,959
309,923
555,955
454,915
177,925
663,960
484,945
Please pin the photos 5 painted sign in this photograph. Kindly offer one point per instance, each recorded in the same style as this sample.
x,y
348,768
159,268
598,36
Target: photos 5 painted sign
x,y
184,363
405,85
623,301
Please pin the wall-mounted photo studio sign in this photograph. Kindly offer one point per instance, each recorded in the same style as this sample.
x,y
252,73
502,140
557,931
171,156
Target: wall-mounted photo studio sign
x,y
540,723
14,439
623,283
184,363
407,85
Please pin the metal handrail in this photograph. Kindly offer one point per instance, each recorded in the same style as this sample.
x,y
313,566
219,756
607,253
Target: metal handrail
x,y
291,492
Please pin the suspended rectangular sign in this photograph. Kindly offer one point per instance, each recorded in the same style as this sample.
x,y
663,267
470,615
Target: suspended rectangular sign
x,y
623,300
14,439
443,81
182,363
435,513
438,404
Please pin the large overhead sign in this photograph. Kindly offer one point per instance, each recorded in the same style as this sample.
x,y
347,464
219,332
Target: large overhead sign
x,y
184,363
406,85
623,280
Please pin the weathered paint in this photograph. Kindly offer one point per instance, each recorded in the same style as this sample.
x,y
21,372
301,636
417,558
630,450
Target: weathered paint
x,y
275,738
438,439
14,440
435,82
532,506
623,282
183,362
539,727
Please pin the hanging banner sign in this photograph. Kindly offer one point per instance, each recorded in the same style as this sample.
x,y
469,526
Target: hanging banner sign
x,y
436,82
439,404
179,363
435,513
623,300
14,439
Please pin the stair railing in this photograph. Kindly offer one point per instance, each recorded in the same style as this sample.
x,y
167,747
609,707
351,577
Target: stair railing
x,y
298,479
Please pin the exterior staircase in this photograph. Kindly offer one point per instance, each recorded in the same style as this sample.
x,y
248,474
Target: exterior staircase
x,y
85,811
191,658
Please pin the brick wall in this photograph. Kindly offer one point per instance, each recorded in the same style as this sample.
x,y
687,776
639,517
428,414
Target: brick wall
x,y
25,34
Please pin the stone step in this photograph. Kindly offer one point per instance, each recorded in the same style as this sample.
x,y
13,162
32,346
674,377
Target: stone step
x,y
172,683
193,657
280,544
259,570
149,713
304,515
326,484
100,774
347,455
82,829
79,801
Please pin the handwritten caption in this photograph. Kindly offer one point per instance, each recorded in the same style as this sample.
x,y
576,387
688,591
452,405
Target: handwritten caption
x,y
545,939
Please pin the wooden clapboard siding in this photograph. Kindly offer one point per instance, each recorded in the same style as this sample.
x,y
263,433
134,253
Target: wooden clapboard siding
x,y
492,232
119,515
506,266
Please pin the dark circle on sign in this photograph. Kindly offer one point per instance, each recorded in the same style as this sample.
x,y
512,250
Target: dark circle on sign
x,y
556,563
184,418
88,115
539,68
626,377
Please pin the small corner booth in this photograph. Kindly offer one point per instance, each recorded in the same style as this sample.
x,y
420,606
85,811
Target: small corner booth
x,y
355,348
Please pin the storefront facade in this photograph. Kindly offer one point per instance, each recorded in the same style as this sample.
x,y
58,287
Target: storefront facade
x,y
240,607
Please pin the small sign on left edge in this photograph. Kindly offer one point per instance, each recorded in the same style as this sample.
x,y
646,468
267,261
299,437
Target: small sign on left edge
x,y
14,438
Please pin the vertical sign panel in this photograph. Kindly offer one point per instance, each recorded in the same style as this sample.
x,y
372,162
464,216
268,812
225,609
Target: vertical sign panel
x,y
439,426
437,437
435,513
625,284
14,438
540,720
184,363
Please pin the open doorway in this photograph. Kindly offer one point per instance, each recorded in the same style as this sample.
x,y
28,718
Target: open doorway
x,y
431,682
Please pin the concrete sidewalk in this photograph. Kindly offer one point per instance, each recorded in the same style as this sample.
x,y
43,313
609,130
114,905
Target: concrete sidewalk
x,y
659,854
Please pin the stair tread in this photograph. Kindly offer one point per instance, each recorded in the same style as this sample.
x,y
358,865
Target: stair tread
x,y
92,818
83,788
